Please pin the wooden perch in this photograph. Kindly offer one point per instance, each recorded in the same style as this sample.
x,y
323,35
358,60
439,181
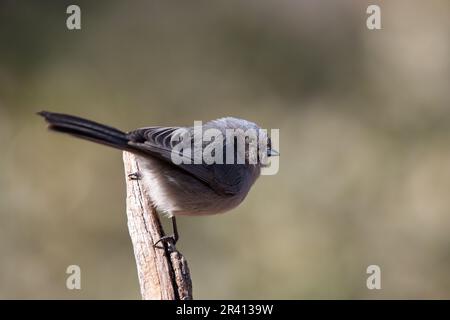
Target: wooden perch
x,y
163,271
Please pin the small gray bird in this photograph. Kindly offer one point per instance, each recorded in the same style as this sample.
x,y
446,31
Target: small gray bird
x,y
185,188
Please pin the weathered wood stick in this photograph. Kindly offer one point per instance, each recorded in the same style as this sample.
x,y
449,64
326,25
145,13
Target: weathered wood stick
x,y
162,271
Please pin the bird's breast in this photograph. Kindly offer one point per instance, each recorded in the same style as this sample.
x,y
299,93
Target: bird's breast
x,y
175,192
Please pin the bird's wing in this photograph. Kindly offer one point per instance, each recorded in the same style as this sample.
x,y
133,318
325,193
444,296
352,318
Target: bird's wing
x,y
157,141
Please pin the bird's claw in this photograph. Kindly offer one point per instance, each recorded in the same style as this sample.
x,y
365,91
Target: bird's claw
x,y
170,240
135,176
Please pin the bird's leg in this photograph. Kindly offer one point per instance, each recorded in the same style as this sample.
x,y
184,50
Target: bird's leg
x,y
135,176
176,236
172,238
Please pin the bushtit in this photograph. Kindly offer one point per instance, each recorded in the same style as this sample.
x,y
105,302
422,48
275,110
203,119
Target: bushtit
x,y
196,187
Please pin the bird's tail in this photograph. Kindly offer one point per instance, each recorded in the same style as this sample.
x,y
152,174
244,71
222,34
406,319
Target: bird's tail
x,y
86,129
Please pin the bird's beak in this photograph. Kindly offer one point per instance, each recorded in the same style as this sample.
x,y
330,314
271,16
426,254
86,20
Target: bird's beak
x,y
273,153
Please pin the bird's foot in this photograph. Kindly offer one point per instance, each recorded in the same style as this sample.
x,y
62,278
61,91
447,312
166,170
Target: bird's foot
x,y
135,176
170,240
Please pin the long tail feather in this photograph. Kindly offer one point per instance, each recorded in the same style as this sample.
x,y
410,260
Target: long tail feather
x,y
86,129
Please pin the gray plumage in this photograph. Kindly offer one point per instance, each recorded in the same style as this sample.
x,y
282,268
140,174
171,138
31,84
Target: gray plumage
x,y
183,189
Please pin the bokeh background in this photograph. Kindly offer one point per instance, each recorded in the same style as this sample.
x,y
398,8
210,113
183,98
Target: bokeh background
x,y
364,121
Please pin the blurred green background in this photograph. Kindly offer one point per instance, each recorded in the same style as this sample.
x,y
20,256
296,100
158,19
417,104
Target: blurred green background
x,y
364,136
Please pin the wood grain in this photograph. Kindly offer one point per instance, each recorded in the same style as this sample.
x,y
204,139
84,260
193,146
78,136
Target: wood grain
x,y
163,272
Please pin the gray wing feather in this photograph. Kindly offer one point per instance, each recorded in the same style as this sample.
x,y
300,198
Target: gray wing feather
x,y
157,141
